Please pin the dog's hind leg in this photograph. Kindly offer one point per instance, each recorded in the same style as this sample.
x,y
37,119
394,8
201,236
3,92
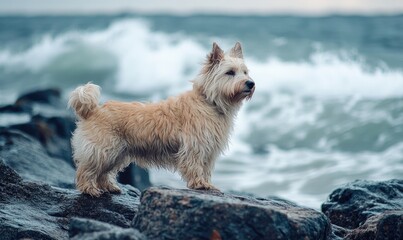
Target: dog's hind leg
x,y
107,182
85,156
114,161
86,178
86,160
95,166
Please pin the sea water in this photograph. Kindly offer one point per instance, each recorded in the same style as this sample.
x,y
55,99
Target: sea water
x,y
328,105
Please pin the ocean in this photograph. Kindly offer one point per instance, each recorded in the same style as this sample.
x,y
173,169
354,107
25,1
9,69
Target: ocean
x,y
328,106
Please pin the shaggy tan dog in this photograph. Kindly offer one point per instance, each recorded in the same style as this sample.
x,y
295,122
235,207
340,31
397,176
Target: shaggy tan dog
x,y
185,133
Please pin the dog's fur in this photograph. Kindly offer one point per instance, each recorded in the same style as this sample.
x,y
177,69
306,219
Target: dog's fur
x,y
185,133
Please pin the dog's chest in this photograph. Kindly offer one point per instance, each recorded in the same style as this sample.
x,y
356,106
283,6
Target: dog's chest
x,y
213,132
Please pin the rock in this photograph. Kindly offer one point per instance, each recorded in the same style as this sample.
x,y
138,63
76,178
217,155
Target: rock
x,y
51,124
46,96
190,214
369,210
53,133
85,229
30,160
15,109
39,211
46,102
339,233
135,176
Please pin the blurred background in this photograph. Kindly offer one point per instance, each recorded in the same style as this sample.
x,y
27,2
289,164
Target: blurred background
x,y
328,107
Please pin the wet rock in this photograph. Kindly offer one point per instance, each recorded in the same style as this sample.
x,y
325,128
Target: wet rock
x,y
339,233
367,209
53,133
85,229
15,109
135,176
188,214
50,123
35,102
39,211
30,160
45,96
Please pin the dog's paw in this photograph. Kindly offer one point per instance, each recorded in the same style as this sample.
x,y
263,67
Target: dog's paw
x,y
207,187
114,189
94,192
213,189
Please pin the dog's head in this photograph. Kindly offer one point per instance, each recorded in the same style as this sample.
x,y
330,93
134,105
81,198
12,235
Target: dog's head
x,y
224,78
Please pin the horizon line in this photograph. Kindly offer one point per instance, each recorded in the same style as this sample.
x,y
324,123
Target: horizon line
x,y
203,13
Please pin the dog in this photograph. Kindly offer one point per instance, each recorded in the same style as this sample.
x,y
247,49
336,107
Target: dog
x,y
185,133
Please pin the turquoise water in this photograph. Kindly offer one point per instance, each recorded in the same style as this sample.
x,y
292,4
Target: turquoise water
x,y
328,107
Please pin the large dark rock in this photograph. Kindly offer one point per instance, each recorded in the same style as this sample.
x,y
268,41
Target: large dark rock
x,y
135,176
30,160
86,229
15,109
50,123
367,209
39,211
46,101
46,96
188,214
54,133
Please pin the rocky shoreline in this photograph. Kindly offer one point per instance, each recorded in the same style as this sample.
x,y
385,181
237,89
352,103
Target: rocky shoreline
x,y
38,199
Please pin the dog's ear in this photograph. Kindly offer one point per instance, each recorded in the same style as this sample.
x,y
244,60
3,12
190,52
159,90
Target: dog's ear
x,y
236,51
216,54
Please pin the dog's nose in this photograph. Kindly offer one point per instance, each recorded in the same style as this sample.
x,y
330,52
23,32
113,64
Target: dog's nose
x,y
250,84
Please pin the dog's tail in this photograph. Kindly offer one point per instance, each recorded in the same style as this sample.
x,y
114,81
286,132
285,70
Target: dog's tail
x,y
84,100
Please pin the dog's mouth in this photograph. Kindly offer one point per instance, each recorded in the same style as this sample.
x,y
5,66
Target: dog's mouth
x,y
247,93
248,90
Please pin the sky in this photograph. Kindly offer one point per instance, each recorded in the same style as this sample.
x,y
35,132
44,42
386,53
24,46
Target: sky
x,y
184,7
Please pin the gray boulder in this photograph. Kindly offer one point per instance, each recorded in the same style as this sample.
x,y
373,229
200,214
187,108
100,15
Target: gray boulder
x,y
367,209
86,229
31,161
190,214
39,211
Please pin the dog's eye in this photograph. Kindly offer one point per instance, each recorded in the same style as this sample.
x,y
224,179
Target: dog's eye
x,y
230,72
245,72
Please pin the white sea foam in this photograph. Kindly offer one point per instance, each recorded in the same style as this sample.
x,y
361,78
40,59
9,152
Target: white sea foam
x,y
37,56
326,75
307,176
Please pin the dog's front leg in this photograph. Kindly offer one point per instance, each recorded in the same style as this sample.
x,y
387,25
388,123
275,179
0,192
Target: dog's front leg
x,y
208,167
194,170
191,167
